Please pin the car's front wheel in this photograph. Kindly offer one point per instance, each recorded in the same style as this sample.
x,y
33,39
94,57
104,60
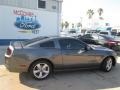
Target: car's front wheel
x,y
107,64
41,69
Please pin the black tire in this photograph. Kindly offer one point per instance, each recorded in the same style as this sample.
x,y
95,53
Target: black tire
x,y
34,66
107,64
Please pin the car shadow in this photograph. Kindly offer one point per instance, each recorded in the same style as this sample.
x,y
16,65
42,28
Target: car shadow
x,y
75,80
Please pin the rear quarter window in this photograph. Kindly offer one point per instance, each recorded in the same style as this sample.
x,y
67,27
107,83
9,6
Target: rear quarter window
x,y
48,44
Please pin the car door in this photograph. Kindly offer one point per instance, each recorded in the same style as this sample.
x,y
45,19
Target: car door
x,y
74,53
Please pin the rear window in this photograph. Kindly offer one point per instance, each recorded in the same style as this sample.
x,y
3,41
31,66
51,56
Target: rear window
x,y
33,40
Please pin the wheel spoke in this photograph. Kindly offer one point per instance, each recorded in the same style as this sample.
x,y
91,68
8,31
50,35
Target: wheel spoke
x,y
40,75
44,67
107,67
36,71
38,66
109,64
46,71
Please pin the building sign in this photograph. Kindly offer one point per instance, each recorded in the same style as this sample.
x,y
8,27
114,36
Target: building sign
x,y
26,21
23,23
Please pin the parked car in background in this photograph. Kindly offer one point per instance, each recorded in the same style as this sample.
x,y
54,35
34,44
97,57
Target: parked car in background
x,y
108,33
109,42
105,33
92,32
118,34
70,33
40,57
103,40
90,39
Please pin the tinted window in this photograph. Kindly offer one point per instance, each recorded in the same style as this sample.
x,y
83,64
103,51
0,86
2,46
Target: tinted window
x,y
118,34
105,33
72,31
114,33
71,44
88,32
41,4
49,44
87,36
26,42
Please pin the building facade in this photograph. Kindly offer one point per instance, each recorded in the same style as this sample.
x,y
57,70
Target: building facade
x,y
26,19
49,5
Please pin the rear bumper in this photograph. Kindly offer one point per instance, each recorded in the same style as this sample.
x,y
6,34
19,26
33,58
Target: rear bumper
x,y
15,65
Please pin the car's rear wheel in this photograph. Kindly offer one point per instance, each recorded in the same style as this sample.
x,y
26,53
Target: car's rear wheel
x,y
107,64
41,69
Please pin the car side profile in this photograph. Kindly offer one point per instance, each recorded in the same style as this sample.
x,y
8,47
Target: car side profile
x,y
41,56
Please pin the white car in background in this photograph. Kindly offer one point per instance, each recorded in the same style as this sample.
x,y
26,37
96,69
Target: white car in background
x,y
111,34
108,33
70,33
91,32
105,33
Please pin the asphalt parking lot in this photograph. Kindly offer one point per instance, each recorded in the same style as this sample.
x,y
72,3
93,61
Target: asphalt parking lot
x,y
70,80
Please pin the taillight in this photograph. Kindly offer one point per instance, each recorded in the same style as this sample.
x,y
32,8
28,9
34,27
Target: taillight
x,y
9,51
112,43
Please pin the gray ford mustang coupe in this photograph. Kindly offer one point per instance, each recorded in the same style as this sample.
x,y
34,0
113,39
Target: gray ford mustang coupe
x,y
40,56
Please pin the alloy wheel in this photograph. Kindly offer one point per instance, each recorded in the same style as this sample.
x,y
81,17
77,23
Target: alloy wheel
x,y
41,70
109,64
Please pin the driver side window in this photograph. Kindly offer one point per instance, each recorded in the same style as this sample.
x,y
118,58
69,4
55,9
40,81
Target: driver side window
x,y
71,44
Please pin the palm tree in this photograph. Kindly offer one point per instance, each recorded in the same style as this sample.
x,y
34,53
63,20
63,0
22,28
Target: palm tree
x,y
79,25
100,11
90,13
73,25
66,24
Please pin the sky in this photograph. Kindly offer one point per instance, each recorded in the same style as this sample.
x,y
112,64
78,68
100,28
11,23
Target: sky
x,y
75,10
